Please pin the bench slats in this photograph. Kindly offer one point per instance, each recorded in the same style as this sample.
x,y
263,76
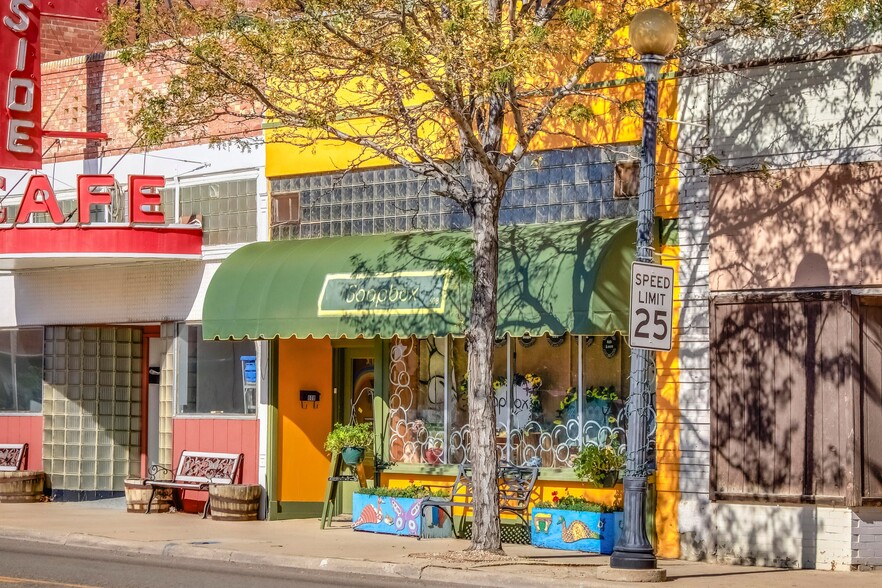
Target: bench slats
x,y
12,456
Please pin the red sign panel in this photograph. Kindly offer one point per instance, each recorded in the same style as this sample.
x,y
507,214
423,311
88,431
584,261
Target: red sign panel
x,y
20,141
82,9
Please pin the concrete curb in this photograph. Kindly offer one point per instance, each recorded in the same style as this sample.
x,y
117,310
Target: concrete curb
x,y
423,571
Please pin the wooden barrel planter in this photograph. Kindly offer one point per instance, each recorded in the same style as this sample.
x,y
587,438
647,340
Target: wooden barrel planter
x,y
137,495
22,486
234,502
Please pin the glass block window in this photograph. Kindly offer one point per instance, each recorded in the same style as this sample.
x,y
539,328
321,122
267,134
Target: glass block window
x,y
67,207
552,186
21,370
553,395
92,406
228,209
211,375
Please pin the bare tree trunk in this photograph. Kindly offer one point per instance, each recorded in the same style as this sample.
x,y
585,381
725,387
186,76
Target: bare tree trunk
x,y
486,536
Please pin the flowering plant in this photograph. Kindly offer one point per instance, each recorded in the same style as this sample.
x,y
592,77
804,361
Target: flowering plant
x,y
605,393
570,502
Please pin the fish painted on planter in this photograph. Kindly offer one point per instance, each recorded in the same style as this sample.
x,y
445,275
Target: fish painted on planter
x,y
542,522
370,514
407,519
576,531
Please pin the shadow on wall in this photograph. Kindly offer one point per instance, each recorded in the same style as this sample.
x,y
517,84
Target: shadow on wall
x,y
804,536
781,426
802,227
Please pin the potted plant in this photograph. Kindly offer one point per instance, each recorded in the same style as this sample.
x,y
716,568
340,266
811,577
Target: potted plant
x,y
600,464
397,511
576,524
350,441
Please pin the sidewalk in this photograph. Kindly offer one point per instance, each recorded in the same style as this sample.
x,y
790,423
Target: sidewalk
x,y
300,544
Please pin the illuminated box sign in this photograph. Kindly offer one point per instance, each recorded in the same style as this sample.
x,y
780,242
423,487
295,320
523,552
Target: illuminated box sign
x,y
144,199
20,133
383,293
77,240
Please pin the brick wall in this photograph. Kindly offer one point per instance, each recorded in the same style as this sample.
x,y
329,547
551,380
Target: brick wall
x,y
62,38
97,93
866,538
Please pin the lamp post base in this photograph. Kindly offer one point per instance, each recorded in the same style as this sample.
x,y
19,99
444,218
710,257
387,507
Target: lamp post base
x,y
633,558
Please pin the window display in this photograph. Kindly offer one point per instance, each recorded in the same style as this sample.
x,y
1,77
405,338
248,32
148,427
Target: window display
x,y
554,394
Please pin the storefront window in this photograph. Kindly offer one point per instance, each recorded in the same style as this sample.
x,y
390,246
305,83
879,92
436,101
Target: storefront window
x,y
214,377
542,418
21,370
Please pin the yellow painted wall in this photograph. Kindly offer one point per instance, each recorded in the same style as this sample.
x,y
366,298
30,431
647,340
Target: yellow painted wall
x,y
542,493
610,126
303,465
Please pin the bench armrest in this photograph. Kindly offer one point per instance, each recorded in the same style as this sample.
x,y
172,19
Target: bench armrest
x,y
155,469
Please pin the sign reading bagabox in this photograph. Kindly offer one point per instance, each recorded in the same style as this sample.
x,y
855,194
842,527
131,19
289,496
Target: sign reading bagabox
x,y
652,306
20,125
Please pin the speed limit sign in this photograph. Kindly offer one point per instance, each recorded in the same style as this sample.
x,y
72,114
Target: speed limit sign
x,y
652,306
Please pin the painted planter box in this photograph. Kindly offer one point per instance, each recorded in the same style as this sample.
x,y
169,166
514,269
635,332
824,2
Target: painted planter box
x,y
574,530
398,516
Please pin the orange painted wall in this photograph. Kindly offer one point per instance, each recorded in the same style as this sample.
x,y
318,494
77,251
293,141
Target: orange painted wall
x,y
25,429
302,464
542,492
668,427
221,436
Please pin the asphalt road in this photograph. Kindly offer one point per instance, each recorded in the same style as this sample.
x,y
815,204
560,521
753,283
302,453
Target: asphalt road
x,y
37,565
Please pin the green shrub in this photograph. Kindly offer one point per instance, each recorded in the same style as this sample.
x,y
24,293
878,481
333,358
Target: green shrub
x,y
411,491
361,435
596,462
578,503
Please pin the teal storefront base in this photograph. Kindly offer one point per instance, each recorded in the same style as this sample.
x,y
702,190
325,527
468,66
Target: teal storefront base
x,y
398,516
592,532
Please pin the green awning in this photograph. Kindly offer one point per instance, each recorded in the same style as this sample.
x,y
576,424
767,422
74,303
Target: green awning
x,y
553,278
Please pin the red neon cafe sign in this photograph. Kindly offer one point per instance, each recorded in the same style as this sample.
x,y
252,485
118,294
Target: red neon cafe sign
x,y
144,199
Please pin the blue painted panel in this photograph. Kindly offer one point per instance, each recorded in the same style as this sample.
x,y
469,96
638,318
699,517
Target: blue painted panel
x,y
398,516
591,532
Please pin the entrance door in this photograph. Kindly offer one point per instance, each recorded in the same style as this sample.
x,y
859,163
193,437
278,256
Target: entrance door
x,y
152,354
355,404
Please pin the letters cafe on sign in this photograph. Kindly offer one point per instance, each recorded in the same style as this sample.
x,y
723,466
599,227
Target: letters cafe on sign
x,y
371,328
40,235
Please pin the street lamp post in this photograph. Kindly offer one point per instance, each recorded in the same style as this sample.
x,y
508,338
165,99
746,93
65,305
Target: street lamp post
x,y
653,34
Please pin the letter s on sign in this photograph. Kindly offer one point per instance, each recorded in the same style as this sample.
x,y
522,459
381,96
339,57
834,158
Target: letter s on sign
x,y
23,19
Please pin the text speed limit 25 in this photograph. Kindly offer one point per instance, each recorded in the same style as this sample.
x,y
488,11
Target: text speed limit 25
x,y
652,306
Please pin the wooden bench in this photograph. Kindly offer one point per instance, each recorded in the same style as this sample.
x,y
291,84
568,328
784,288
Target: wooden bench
x,y
515,486
196,470
13,456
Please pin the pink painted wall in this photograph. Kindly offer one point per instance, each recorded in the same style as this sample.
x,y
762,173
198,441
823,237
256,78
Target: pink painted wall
x,y
221,436
25,429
